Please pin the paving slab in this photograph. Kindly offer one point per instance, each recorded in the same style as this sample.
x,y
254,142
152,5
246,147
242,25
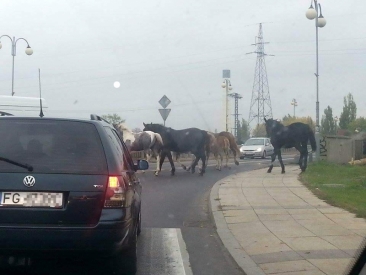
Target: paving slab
x,y
272,224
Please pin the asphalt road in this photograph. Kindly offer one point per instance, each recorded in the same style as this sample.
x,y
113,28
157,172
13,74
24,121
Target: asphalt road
x,y
181,202
178,235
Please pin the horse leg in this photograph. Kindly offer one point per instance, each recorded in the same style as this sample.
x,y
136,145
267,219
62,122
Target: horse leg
x,y
190,166
169,155
227,158
194,163
305,161
299,148
219,161
234,153
157,154
162,158
305,158
203,158
148,155
281,162
222,153
273,158
177,159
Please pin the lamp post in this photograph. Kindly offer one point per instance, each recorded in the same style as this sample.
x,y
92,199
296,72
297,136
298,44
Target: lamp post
x,y
320,22
336,124
28,51
294,102
227,85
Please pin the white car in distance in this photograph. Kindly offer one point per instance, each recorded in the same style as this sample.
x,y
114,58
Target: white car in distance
x,y
256,147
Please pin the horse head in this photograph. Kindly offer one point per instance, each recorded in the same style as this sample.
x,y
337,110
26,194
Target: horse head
x,y
153,127
272,125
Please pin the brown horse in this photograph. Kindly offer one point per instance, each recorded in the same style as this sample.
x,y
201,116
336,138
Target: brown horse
x,y
233,146
218,146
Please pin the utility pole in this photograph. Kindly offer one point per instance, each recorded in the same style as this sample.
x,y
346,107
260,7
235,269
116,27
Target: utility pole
x,y
294,102
236,96
226,84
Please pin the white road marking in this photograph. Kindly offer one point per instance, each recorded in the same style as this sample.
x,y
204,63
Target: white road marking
x,y
163,252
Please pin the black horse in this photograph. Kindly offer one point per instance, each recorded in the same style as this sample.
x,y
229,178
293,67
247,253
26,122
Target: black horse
x,y
181,141
295,135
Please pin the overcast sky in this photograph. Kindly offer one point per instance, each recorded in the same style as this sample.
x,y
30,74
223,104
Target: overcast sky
x,y
179,48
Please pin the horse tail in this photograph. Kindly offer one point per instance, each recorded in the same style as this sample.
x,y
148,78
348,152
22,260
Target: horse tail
x,y
207,144
312,140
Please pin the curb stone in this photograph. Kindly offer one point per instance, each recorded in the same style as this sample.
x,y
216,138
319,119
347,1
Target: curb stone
x,y
237,252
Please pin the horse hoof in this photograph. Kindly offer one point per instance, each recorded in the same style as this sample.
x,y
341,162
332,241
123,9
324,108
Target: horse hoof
x,y
269,171
156,173
283,172
236,162
184,167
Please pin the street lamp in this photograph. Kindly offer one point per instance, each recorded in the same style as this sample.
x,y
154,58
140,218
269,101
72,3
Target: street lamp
x,y
227,85
294,102
336,124
28,51
320,22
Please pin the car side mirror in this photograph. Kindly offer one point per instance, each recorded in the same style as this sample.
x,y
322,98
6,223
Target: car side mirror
x,y
141,165
267,144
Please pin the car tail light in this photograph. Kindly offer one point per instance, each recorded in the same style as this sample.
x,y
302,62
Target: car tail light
x,y
115,195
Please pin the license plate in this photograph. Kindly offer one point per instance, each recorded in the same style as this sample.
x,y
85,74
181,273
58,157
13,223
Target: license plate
x,y
31,199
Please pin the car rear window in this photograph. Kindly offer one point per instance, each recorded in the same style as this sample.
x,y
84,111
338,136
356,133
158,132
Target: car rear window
x,y
52,146
255,141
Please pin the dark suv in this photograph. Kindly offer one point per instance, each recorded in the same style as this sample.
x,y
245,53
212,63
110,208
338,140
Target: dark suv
x,y
68,186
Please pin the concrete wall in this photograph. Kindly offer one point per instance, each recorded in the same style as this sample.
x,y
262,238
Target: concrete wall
x,y
339,149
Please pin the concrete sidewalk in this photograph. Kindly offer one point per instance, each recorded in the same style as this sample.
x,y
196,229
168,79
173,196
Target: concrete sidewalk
x,y
272,224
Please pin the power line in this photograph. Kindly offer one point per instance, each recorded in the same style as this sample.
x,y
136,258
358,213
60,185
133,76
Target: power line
x,y
198,54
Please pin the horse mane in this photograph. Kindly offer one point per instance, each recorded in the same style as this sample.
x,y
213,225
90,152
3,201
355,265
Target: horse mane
x,y
278,124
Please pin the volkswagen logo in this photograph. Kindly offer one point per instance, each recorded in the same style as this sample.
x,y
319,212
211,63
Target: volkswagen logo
x,y
29,181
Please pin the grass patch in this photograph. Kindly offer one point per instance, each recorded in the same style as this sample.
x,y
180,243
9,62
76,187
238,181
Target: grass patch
x,y
339,185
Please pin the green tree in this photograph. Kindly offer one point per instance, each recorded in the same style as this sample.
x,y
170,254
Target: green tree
x,y
349,112
113,119
288,119
328,123
260,130
358,125
243,131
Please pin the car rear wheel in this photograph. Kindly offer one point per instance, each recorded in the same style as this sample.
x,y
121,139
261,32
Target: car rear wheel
x,y
125,262
264,155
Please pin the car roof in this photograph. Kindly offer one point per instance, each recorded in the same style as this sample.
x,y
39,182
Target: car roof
x,y
94,119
